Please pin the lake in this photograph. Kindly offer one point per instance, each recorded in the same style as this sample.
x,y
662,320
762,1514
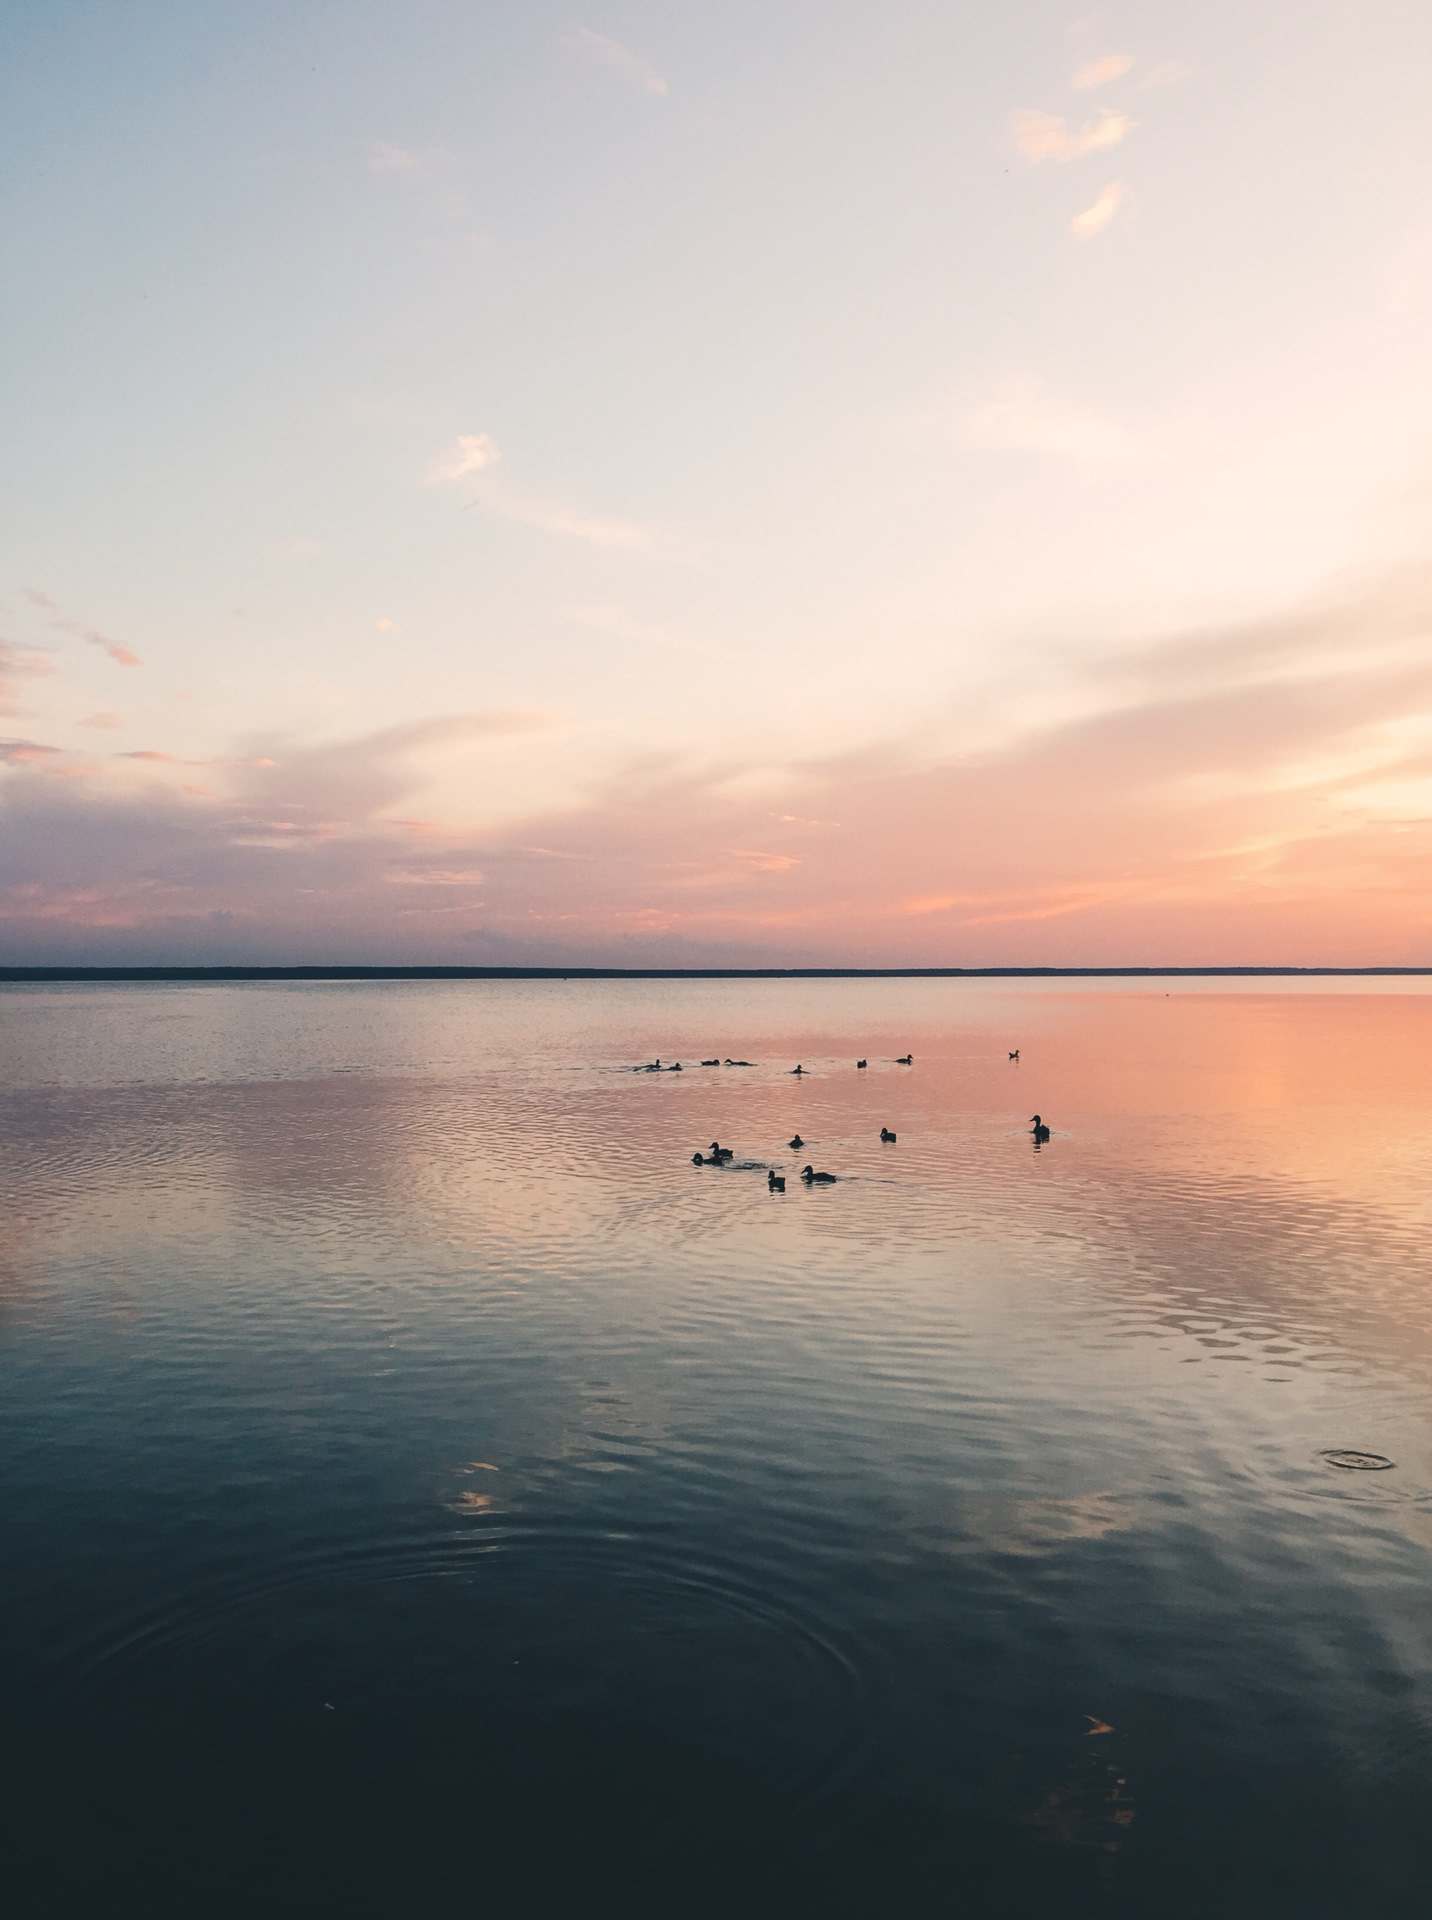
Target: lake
x,y
426,1490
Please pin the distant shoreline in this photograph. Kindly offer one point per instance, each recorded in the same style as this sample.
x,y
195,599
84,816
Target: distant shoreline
x,y
43,976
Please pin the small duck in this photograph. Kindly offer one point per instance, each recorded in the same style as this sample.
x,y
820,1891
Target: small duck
x,y
887,1136
775,1183
812,1178
1038,1129
905,1060
719,1153
796,1144
710,1063
797,1069
1015,1054
739,1063
862,1063
675,1069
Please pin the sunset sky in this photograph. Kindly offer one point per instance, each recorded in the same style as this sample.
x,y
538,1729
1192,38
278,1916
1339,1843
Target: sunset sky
x,y
678,484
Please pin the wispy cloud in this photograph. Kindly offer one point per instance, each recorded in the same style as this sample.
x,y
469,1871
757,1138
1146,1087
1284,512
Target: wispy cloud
x,y
1100,72
103,722
91,635
1255,791
1097,216
1023,415
642,633
1166,73
573,523
1048,136
16,753
473,453
386,156
469,453
611,53
18,664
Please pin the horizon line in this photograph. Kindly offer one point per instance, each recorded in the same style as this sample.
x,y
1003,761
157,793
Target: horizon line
x,y
219,975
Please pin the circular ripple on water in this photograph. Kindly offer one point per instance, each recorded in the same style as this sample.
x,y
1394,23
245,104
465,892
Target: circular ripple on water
x,y
1352,1461
616,1627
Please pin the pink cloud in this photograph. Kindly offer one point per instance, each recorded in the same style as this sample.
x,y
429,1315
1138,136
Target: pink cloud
x,y
1251,793
91,635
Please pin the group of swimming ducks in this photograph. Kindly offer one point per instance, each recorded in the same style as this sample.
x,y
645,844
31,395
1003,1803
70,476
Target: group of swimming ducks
x,y
719,1156
655,1066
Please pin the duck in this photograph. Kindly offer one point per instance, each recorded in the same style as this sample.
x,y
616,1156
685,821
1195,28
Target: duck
x,y
1038,1129
775,1183
812,1178
718,1152
796,1144
1015,1054
905,1060
710,1063
739,1063
862,1063
797,1069
887,1136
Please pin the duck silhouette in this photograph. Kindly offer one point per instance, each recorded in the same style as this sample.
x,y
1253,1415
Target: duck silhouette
x,y
905,1060
740,1063
797,1069
862,1063
718,1152
812,1178
710,1063
887,1136
775,1183
1038,1129
795,1144
1015,1054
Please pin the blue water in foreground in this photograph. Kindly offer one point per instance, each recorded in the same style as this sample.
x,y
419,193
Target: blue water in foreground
x,y
425,1491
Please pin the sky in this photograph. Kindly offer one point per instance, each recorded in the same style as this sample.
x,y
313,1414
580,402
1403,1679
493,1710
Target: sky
x,y
834,484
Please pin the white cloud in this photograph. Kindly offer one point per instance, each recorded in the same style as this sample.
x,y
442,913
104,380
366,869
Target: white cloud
x,y
470,453
1096,217
1023,416
610,53
619,624
1166,73
1098,73
571,521
388,157
1048,136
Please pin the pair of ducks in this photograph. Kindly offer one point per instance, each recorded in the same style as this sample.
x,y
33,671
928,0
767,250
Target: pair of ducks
x,y
717,1157
776,1182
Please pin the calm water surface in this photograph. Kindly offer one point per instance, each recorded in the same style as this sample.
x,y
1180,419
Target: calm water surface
x,y
425,1490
